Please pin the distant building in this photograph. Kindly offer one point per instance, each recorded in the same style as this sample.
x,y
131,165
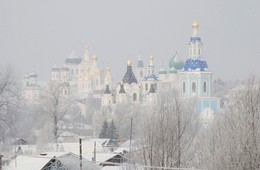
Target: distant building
x,y
30,88
84,75
191,78
92,86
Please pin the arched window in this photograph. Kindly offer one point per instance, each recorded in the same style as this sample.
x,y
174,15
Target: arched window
x,y
183,87
134,97
146,87
193,86
141,73
205,87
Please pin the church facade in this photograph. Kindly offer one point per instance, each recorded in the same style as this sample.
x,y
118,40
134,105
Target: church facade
x,y
191,78
140,85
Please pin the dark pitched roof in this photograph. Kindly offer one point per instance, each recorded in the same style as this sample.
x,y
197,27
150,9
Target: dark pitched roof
x,y
122,90
107,91
129,76
73,60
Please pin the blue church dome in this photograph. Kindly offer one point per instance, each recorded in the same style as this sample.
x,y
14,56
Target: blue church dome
x,y
195,65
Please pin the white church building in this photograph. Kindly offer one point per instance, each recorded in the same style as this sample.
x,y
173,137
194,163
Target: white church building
x,y
139,85
192,78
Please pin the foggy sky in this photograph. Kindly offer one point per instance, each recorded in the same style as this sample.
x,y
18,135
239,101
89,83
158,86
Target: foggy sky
x,y
37,34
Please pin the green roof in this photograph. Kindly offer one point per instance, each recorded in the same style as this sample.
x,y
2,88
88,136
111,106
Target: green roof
x,y
176,62
172,71
162,72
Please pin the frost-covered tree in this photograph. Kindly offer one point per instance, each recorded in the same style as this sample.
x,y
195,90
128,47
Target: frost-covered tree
x,y
168,133
9,103
99,117
104,130
56,102
233,140
122,118
112,131
109,130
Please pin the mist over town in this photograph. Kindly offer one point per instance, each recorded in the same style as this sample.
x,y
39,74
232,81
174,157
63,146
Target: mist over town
x,y
139,85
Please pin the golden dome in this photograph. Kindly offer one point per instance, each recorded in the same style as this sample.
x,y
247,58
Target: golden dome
x,y
94,57
195,24
129,63
151,57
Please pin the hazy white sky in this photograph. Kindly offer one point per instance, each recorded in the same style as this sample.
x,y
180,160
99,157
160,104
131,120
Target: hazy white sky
x,y
37,34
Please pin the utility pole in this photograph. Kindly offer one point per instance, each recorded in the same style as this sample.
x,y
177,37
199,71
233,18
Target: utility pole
x,y
80,153
1,163
130,145
131,131
94,152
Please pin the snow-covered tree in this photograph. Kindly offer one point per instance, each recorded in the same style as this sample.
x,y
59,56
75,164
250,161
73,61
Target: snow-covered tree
x,y
104,130
56,102
98,119
108,130
9,102
168,132
122,118
233,140
112,131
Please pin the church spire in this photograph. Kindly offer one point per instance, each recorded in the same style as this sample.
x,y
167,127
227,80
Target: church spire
x,y
140,62
195,27
195,45
86,56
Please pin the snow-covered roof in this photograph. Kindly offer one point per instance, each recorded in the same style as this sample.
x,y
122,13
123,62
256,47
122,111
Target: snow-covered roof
x,y
71,161
24,162
125,146
100,157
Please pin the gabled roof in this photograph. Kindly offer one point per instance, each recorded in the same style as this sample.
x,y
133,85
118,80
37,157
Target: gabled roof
x,y
69,161
110,143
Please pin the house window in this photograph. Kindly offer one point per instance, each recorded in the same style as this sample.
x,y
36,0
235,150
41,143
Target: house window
x,y
193,87
204,87
146,87
134,97
183,87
